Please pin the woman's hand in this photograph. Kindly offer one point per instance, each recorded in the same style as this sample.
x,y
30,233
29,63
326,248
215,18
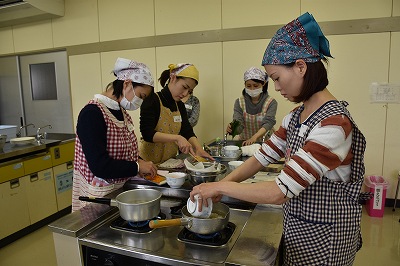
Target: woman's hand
x,y
147,168
184,145
204,154
229,129
205,191
249,141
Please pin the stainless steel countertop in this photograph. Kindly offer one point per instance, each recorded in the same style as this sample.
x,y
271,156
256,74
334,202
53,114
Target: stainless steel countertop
x,y
11,151
256,244
259,241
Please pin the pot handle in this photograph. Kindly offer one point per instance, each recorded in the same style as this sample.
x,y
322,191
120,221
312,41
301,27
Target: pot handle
x,y
96,200
168,223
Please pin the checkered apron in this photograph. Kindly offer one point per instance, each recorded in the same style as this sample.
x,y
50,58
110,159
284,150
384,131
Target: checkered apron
x,y
322,224
121,145
252,123
160,152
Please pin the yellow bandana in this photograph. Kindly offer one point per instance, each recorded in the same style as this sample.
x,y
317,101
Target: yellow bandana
x,y
185,70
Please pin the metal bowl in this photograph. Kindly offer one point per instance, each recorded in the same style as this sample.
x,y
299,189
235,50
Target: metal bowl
x,y
3,139
197,177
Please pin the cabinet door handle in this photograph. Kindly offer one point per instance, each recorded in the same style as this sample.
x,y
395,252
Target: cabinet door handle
x,y
34,177
70,165
14,183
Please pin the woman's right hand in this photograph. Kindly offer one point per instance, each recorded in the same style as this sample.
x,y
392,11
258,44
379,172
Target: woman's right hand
x,y
147,168
229,129
184,145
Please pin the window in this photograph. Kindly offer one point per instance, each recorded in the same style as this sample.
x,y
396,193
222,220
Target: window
x,y
43,81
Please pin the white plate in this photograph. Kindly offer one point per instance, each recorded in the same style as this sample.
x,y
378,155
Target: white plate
x,y
22,141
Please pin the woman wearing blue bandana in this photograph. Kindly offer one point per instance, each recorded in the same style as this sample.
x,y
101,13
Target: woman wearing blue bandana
x,y
320,185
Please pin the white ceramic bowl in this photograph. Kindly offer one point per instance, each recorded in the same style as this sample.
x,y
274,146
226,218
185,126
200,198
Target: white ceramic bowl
x,y
234,164
231,151
193,207
175,179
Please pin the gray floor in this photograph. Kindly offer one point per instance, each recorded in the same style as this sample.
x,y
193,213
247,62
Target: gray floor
x,y
381,244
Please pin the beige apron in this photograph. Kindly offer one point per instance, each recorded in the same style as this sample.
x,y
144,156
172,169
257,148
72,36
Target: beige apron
x,y
160,152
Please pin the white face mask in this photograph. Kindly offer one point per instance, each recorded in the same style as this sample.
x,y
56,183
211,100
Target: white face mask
x,y
253,93
131,105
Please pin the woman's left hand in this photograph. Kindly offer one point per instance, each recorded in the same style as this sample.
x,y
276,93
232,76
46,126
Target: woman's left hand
x,y
248,142
204,154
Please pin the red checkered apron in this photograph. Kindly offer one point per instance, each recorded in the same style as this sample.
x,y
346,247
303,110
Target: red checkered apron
x,y
252,123
121,145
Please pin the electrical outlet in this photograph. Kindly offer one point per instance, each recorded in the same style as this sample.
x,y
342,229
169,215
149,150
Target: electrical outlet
x,y
57,153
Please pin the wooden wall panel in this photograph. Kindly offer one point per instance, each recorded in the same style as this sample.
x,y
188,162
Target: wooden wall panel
x,y
326,10
176,16
238,13
33,36
80,24
85,77
125,19
6,37
208,60
361,59
391,165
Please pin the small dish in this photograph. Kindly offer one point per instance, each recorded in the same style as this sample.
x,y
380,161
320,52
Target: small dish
x,y
193,207
234,164
162,172
176,179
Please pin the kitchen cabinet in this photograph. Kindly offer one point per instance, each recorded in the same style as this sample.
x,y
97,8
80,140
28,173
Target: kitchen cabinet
x,y
62,160
63,184
13,207
34,186
11,170
40,194
39,183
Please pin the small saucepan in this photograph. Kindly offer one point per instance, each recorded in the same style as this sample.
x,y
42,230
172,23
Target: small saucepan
x,y
216,222
134,205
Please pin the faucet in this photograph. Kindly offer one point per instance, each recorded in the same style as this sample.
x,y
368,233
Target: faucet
x,y
40,136
18,134
225,139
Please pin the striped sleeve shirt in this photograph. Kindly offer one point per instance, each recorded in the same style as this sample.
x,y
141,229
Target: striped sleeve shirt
x,y
326,152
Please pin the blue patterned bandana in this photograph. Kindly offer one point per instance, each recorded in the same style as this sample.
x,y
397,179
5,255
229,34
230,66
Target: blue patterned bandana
x,y
300,39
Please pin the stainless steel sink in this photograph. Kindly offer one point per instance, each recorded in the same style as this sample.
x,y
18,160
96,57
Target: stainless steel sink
x,y
54,139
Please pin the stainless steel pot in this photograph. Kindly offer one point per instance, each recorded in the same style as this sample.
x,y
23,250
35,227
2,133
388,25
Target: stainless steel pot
x,y
134,205
217,221
197,177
